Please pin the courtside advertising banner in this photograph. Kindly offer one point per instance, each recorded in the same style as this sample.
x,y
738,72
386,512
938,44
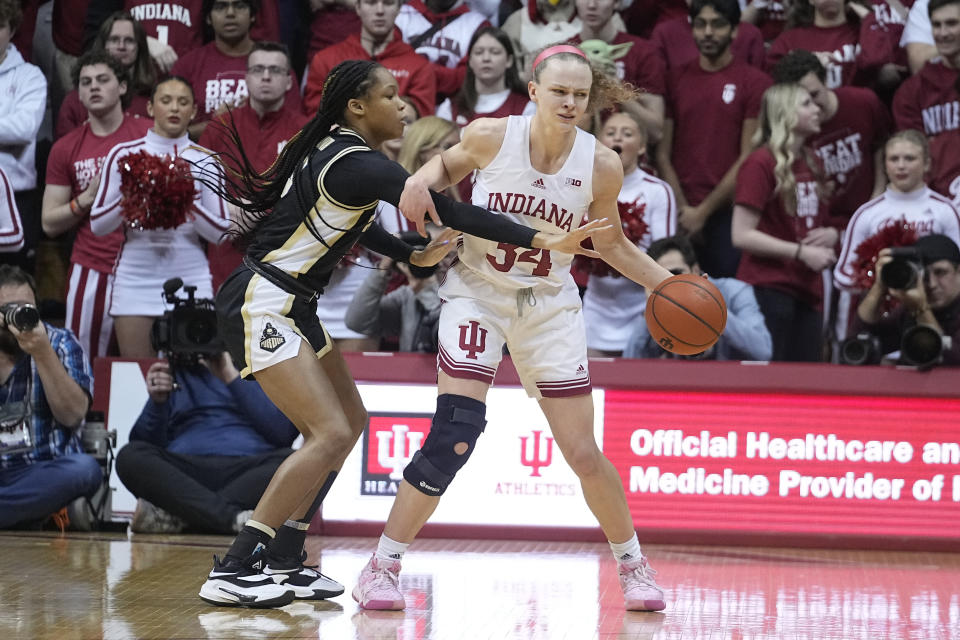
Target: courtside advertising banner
x,y
515,477
835,465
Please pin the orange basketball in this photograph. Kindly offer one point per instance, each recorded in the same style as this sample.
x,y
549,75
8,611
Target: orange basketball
x,y
686,314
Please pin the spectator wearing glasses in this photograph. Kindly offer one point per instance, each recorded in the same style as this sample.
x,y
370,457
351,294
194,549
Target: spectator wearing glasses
x,y
264,125
217,70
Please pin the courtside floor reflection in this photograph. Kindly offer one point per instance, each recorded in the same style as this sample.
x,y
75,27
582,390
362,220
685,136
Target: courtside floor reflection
x,y
114,586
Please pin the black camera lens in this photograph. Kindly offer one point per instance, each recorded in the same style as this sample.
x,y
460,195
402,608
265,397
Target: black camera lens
x,y
900,273
23,316
921,346
202,329
860,350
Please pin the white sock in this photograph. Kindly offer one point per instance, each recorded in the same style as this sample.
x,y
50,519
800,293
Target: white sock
x,y
626,551
390,550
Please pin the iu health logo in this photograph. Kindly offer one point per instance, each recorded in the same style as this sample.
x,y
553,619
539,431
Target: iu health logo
x,y
388,445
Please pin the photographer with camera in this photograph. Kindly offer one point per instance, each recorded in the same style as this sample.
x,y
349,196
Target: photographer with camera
x,y
411,312
44,396
207,442
925,279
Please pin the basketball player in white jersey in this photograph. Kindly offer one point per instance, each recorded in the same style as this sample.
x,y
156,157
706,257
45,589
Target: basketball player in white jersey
x,y
544,172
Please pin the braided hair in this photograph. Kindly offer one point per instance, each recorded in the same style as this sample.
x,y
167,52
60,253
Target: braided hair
x,y
257,193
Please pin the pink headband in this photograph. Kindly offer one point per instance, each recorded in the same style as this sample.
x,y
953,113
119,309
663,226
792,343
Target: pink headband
x,y
559,48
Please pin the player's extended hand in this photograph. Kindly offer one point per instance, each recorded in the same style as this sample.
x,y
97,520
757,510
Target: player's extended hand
x,y
434,252
572,242
416,202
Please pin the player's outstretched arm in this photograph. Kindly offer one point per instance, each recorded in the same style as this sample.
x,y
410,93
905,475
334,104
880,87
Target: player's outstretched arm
x,y
479,143
614,247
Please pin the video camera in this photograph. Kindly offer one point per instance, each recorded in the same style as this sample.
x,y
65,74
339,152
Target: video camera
x,y
187,332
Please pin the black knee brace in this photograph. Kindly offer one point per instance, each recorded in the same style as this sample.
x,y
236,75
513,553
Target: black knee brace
x,y
458,420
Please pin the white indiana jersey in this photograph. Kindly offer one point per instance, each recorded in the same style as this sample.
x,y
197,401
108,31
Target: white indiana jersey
x,y
552,203
924,210
612,304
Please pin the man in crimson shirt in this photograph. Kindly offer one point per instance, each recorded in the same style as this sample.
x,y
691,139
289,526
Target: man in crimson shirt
x,y
673,40
712,108
264,125
378,40
638,62
217,70
853,127
73,175
929,101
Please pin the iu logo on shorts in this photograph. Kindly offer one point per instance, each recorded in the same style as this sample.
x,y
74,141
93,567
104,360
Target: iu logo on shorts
x,y
473,339
532,456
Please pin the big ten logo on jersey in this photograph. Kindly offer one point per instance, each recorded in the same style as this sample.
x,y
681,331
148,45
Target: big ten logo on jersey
x,y
808,202
86,170
841,156
221,90
389,443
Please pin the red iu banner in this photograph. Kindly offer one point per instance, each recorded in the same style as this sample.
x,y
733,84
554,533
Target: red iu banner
x,y
846,465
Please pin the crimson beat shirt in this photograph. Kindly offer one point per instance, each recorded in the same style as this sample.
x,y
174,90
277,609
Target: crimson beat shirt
x,y
708,110
929,102
755,189
262,138
75,159
846,145
218,78
674,41
641,66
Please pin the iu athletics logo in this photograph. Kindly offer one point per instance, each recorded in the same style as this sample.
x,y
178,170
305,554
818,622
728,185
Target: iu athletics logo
x,y
473,339
729,93
532,456
270,339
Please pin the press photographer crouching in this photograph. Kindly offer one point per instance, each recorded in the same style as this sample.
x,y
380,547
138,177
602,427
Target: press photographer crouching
x,y
207,442
44,396
925,326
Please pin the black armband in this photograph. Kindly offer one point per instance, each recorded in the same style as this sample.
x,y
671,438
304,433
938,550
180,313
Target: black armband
x,y
482,223
377,239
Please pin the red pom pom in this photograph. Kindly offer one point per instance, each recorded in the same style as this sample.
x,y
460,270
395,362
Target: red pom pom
x,y
634,227
900,234
158,191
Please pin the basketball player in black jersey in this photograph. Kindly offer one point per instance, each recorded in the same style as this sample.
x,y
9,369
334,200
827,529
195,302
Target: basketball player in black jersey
x,y
321,196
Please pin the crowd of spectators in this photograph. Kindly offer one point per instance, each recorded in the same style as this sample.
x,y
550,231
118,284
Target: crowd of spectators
x,y
710,150
781,148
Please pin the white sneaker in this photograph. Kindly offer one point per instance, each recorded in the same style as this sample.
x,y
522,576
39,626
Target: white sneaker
x,y
236,584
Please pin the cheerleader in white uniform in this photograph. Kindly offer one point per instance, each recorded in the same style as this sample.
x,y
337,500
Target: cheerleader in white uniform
x,y
150,257
907,202
612,303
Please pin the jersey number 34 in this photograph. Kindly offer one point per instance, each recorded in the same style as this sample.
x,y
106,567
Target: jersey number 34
x,y
513,254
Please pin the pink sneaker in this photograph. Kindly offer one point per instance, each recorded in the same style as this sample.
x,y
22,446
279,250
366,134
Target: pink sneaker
x,y
640,591
378,586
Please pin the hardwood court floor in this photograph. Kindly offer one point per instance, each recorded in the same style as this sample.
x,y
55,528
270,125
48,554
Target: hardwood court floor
x,y
109,585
